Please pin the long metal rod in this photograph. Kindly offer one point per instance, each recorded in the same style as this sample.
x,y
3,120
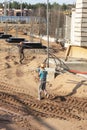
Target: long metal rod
x,y
5,4
21,9
48,32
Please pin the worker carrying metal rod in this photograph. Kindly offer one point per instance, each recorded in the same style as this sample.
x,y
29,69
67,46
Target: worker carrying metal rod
x,y
42,73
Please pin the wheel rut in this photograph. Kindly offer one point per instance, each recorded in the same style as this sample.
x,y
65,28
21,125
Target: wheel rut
x,y
21,106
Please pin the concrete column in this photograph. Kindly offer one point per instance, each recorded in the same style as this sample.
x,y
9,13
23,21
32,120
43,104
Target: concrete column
x,y
68,28
81,23
72,37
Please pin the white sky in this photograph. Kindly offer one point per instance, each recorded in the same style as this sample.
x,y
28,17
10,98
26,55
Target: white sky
x,y
51,1
44,1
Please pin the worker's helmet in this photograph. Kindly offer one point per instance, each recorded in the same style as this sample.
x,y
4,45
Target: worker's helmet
x,y
42,65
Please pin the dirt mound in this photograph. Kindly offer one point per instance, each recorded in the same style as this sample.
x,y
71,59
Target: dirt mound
x,y
69,83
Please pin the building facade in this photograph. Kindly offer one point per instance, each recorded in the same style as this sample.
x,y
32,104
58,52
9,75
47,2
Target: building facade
x,y
16,12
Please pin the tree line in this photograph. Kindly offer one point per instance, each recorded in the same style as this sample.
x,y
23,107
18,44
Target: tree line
x,y
16,5
56,16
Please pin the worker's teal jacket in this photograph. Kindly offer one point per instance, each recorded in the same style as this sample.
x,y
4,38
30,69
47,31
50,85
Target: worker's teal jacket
x,y
42,74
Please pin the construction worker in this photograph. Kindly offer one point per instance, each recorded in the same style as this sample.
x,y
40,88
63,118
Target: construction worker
x,y
42,76
21,52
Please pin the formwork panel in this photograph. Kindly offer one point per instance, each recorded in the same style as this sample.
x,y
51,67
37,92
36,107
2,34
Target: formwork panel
x,y
78,52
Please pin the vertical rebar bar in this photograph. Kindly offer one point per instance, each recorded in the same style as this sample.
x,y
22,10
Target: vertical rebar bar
x,y
21,10
5,4
48,32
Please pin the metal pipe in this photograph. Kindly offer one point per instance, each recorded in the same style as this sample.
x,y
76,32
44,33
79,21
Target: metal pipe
x,y
21,9
48,32
5,4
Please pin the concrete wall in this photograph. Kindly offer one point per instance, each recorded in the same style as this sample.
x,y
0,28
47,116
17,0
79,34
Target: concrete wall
x,y
80,31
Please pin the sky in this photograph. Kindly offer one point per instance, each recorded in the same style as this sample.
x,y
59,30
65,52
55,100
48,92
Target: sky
x,y
51,1
45,1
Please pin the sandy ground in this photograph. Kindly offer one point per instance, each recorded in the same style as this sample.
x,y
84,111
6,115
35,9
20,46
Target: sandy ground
x,y
19,89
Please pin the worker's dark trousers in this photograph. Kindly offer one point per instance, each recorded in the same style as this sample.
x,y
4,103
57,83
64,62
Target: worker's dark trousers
x,y
21,53
42,87
21,57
